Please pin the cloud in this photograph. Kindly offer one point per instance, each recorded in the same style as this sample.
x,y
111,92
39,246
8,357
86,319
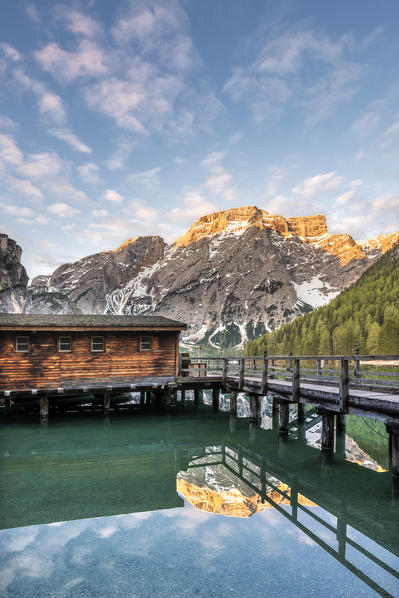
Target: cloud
x,y
63,210
88,61
41,166
218,183
303,66
63,187
32,13
113,196
89,172
25,187
141,211
10,52
318,185
7,123
391,135
72,140
79,23
17,210
118,158
49,103
10,154
147,178
366,124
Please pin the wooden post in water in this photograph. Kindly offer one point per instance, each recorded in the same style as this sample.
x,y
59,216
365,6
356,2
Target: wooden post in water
x,y
327,435
301,416
296,372
183,397
215,398
106,401
148,399
341,422
275,407
344,386
44,407
253,407
233,402
241,374
264,373
392,428
284,418
196,397
142,398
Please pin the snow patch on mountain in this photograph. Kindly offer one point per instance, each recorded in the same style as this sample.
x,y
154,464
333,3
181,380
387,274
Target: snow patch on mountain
x,y
315,292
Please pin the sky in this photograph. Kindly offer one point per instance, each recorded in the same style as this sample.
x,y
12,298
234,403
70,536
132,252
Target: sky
x,y
128,118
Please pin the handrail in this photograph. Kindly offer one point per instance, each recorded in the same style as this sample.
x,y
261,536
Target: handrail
x,y
304,357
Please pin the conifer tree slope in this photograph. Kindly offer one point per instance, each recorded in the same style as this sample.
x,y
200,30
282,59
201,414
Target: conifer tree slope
x,y
364,316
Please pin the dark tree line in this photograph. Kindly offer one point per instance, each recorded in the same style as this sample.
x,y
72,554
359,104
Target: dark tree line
x,y
364,316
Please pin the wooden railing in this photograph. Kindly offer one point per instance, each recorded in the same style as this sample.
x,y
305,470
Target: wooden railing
x,y
346,371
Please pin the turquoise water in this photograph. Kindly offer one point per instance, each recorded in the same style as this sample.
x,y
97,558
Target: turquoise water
x,y
90,507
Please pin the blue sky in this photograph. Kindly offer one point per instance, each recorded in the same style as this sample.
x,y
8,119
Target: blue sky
x,y
126,118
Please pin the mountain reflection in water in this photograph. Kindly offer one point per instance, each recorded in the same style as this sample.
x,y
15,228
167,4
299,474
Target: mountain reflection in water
x,y
108,500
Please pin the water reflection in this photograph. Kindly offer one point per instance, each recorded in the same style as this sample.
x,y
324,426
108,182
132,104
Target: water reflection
x,y
107,508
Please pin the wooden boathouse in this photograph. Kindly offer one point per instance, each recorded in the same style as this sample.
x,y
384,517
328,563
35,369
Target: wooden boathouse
x,y
53,354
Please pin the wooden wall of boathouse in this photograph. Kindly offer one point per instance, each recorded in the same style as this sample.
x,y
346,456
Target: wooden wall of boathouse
x,y
44,366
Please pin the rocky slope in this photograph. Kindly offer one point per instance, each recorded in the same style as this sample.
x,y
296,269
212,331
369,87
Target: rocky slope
x,y
86,283
232,276
236,274
13,277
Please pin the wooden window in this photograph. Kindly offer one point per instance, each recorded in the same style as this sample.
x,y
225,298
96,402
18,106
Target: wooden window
x,y
146,343
97,344
64,344
22,344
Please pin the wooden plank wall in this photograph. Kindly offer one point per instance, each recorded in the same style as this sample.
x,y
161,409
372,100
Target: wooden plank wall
x,y
45,366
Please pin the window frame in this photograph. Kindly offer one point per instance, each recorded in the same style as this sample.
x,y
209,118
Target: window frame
x,y
59,344
141,343
92,343
16,344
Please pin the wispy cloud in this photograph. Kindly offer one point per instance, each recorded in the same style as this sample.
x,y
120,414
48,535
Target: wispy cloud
x,y
87,61
318,184
301,65
147,178
89,173
49,103
63,210
72,140
113,196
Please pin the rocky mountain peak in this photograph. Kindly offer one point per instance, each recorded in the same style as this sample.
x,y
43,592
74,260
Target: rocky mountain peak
x,y
309,229
379,244
13,277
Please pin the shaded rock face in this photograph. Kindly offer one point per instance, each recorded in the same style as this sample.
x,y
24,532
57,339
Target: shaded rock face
x,y
86,283
237,284
13,278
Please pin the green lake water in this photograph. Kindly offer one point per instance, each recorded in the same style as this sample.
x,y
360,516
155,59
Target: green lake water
x,y
191,503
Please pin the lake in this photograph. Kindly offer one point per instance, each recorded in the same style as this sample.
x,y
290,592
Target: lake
x,y
192,503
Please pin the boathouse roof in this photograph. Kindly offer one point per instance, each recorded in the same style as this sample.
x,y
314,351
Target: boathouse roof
x,y
83,321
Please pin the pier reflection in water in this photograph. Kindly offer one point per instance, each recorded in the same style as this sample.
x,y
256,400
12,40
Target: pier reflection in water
x,y
101,507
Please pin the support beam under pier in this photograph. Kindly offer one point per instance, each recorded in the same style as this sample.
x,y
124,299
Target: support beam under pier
x,y
215,399
393,431
44,408
301,413
233,402
253,407
106,402
284,418
327,435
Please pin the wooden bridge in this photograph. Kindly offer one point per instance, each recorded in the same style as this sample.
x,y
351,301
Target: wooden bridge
x,y
335,385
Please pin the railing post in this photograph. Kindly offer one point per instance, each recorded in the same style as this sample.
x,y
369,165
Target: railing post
x,y
241,376
295,381
319,370
179,365
273,363
264,374
224,375
344,386
357,364
291,360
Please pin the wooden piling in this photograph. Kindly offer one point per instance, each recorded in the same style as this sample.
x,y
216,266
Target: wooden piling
x,y
215,398
340,422
296,373
196,397
233,402
301,413
284,418
275,406
241,374
327,431
44,407
253,407
344,386
142,398
265,373
183,397
106,402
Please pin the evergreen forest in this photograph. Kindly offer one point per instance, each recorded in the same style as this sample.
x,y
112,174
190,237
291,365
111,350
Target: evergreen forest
x,y
364,316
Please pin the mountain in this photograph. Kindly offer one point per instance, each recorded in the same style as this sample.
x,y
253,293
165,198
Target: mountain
x,y
87,283
364,316
232,276
13,277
